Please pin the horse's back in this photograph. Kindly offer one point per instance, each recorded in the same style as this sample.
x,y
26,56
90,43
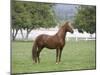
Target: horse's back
x,y
41,39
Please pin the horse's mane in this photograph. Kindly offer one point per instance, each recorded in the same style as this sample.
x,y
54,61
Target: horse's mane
x,y
64,24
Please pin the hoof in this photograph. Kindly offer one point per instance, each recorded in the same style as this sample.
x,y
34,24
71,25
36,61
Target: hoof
x,y
57,63
34,62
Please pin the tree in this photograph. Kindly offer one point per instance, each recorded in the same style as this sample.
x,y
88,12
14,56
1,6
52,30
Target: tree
x,y
16,20
29,15
85,19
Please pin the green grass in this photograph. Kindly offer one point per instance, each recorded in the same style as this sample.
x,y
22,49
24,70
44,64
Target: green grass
x,y
75,56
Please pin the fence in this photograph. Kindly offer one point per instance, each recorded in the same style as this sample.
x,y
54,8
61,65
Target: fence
x,y
76,35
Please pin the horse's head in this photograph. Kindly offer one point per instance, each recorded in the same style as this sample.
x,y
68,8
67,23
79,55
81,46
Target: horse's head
x,y
68,27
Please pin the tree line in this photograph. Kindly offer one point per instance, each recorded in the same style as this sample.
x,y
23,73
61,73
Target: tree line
x,y
31,15
85,19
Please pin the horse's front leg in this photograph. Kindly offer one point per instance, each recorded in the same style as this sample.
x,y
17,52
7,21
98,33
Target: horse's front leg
x,y
57,55
60,54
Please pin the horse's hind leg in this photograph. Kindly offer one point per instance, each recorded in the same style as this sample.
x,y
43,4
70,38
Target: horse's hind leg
x,y
35,58
38,54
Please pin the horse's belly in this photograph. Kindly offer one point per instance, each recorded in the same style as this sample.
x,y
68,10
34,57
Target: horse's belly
x,y
52,46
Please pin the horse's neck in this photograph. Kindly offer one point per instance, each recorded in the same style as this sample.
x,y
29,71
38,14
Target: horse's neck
x,y
61,34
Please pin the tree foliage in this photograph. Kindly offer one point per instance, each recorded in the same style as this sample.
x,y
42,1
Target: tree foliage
x,y
30,15
85,19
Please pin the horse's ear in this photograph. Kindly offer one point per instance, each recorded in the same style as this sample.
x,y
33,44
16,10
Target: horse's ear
x,y
67,22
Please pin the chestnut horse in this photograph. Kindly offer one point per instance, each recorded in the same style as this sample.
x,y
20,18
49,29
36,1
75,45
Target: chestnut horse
x,y
56,41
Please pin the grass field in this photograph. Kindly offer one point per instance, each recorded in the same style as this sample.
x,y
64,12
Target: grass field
x,y
75,56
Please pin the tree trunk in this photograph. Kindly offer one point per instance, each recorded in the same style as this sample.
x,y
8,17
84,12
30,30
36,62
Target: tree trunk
x,y
14,33
22,34
26,38
27,33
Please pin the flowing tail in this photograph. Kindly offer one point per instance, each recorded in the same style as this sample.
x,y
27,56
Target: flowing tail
x,y
34,52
